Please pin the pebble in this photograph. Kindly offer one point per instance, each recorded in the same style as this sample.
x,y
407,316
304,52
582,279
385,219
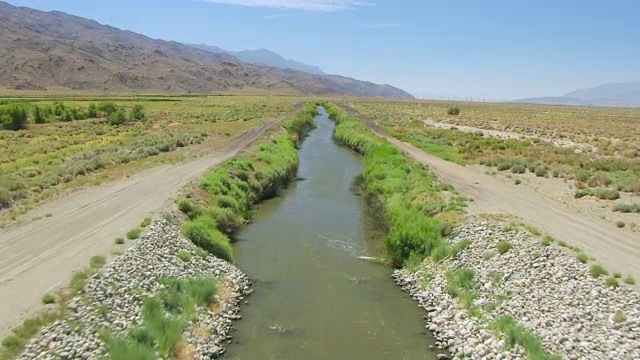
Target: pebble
x,y
113,299
552,295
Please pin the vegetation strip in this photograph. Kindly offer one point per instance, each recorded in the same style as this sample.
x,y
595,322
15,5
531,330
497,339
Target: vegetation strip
x,y
222,202
406,194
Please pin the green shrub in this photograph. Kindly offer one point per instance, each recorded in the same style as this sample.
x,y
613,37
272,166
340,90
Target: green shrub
x,y
137,113
453,111
627,208
518,182
603,194
504,247
14,117
620,224
612,282
617,275
547,240
119,241
630,280
518,169
582,257
598,270
517,335
504,166
117,118
48,299
184,256
97,261
5,198
146,222
133,234
541,171
108,108
202,232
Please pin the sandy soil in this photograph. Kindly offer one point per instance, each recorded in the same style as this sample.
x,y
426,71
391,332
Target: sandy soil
x,y
39,256
565,143
617,249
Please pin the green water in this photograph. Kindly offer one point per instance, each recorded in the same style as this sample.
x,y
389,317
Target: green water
x,y
314,299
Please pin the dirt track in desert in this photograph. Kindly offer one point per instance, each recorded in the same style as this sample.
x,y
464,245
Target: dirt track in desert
x,y
617,250
39,256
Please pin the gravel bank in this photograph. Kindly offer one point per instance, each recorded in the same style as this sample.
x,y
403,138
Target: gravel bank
x,y
545,288
113,299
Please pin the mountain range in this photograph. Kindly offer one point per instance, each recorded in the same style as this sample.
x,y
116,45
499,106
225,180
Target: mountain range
x,y
625,94
54,50
263,57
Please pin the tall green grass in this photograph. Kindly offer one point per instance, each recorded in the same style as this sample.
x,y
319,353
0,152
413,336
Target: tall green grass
x,y
232,189
165,316
406,192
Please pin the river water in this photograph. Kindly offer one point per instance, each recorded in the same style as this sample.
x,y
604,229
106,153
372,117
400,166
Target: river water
x,y
314,299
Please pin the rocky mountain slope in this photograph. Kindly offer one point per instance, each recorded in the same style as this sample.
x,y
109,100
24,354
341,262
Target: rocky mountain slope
x,y
42,50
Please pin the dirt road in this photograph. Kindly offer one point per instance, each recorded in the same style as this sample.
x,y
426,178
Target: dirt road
x,y
617,249
40,256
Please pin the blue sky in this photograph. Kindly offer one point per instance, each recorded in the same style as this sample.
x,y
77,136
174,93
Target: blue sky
x,y
496,49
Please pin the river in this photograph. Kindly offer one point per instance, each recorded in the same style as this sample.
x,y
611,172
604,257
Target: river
x,y
314,299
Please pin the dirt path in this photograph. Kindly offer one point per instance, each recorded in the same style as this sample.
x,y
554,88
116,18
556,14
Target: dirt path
x,y
39,256
617,249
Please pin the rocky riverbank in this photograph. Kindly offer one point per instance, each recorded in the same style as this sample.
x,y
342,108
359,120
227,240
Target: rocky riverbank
x,y
553,297
112,300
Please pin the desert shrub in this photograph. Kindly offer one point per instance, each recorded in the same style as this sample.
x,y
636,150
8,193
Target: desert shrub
x,y
97,261
184,256
453,110
517,335
504,247
48,299
5,197
582,257
597,271
119,241
137,113
603,194
202,232
117,118
145,222
630,280
38,115
518,182
627,208
620,224
518,169
541,171
133,234
612,282
504,166
108,108
14,117
583,175
92,111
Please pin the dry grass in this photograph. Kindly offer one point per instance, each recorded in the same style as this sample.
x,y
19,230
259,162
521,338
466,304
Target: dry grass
x,y
53,158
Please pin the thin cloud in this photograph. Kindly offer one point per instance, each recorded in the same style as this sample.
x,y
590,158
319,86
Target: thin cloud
x,y
380,26
307,5
272,16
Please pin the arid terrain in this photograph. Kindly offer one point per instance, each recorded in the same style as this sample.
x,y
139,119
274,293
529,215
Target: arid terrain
x,y
53,50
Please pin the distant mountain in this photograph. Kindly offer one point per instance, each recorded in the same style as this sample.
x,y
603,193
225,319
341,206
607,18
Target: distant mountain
x,y
611,94
263,57
43,50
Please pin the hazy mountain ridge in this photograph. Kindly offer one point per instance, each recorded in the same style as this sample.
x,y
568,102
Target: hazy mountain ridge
x,y
263,57
611,94
40,50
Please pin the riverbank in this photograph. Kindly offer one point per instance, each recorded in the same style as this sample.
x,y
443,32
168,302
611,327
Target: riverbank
x,y
110,317
491,291
169,296
511,294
